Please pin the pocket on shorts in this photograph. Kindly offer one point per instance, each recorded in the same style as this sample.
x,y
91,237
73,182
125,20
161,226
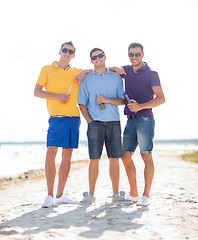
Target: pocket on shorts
x,y
145,118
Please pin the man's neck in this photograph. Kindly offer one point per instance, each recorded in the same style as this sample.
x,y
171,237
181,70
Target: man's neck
x,y
100,70
135,68
63,64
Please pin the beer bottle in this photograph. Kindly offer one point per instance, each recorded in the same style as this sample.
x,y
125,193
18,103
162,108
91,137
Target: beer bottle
x,y
102,105
69,91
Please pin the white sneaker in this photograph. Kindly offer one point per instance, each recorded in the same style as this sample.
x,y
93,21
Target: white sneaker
x,y
133,199
49,201
144,201
88,198
64,200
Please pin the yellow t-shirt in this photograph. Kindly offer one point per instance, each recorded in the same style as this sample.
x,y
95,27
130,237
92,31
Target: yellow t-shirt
x,y
58,80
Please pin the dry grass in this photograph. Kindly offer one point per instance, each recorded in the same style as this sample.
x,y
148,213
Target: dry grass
x,y
190,157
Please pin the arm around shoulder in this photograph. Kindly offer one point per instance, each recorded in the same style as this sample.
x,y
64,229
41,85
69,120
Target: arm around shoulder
x,y
82,73
118,70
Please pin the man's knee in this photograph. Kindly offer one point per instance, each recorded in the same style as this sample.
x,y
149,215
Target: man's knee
x,y
127,159
66,154
94,162
114,161
147,158
51,153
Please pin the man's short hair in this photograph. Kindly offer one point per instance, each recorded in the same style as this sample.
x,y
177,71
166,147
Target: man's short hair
x,y
134,45
69,43
94,50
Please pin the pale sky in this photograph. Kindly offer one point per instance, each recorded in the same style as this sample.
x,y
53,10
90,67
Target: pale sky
x,y
33,31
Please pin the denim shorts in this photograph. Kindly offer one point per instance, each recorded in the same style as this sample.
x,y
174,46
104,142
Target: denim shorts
x,y
109,133
139,131
63,132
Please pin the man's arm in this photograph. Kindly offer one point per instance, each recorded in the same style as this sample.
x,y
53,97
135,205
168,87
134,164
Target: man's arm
x,y
81,74
39,92
158,100
85,113
118,70
114,101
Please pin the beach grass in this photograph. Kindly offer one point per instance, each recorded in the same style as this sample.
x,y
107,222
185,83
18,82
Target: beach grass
x,y
190,157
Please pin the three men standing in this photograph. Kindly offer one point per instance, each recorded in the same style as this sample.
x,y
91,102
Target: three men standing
x,y
100,93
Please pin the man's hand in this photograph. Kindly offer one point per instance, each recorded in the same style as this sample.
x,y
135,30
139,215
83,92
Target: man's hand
x,y
134,106
64,98
102,99
80,76
118,70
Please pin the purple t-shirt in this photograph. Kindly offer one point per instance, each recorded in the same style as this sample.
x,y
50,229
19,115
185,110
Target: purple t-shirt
x,y
138,86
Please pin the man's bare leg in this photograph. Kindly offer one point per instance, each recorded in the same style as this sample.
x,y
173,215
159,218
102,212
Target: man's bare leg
x,y
93,174
64,169
148,172
114,172
131,173
50,168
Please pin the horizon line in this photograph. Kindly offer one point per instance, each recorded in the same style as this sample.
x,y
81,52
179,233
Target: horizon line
x,y
192,140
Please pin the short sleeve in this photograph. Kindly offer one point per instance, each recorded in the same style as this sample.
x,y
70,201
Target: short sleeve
x,y
120,88
154,79
42,79
83,93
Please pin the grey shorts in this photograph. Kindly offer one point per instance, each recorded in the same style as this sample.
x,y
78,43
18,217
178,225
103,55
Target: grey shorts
x,y
109,133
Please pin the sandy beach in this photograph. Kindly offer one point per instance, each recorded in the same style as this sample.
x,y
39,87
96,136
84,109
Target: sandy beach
x,y
172,213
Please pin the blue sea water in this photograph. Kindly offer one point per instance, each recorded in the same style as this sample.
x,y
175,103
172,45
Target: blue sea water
x,y
20,157
24,156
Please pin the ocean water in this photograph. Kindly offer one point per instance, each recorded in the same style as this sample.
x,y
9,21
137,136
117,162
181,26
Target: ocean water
x,y
17,158
21,157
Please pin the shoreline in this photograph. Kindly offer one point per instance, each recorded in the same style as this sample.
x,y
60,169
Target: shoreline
x,y
75,165
36,174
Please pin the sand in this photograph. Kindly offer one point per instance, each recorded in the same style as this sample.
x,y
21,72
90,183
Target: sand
x,y
172,213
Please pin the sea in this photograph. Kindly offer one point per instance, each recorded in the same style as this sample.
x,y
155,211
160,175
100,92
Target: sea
x,y
20,157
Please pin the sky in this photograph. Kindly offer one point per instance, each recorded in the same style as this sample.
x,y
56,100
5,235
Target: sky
x,y
33,31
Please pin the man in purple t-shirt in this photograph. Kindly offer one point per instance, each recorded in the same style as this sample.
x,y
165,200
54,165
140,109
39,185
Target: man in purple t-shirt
x,y
144,92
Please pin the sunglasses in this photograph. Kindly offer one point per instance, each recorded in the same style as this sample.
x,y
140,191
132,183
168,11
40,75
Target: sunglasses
x,y
134,54
65,50
101,55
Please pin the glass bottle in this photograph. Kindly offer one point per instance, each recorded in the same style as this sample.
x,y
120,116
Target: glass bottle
x,y
102,105
69,91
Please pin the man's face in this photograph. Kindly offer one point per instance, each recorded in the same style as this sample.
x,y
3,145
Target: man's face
x,y
135,56
67,52
98,58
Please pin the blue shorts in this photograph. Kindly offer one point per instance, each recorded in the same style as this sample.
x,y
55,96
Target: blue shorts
x,y
63,132
109,133
139,131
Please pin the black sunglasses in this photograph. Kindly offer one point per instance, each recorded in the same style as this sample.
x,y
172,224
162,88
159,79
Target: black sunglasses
x,y
65,50
134,54
101,55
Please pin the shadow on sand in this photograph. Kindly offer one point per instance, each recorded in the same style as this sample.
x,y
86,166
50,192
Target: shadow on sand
x,y
110,216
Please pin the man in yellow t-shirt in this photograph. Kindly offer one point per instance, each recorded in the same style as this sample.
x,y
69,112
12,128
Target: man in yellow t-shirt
x,y
61,94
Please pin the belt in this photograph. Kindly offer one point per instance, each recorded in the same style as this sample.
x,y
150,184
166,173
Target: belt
x,y
131,117
71,117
